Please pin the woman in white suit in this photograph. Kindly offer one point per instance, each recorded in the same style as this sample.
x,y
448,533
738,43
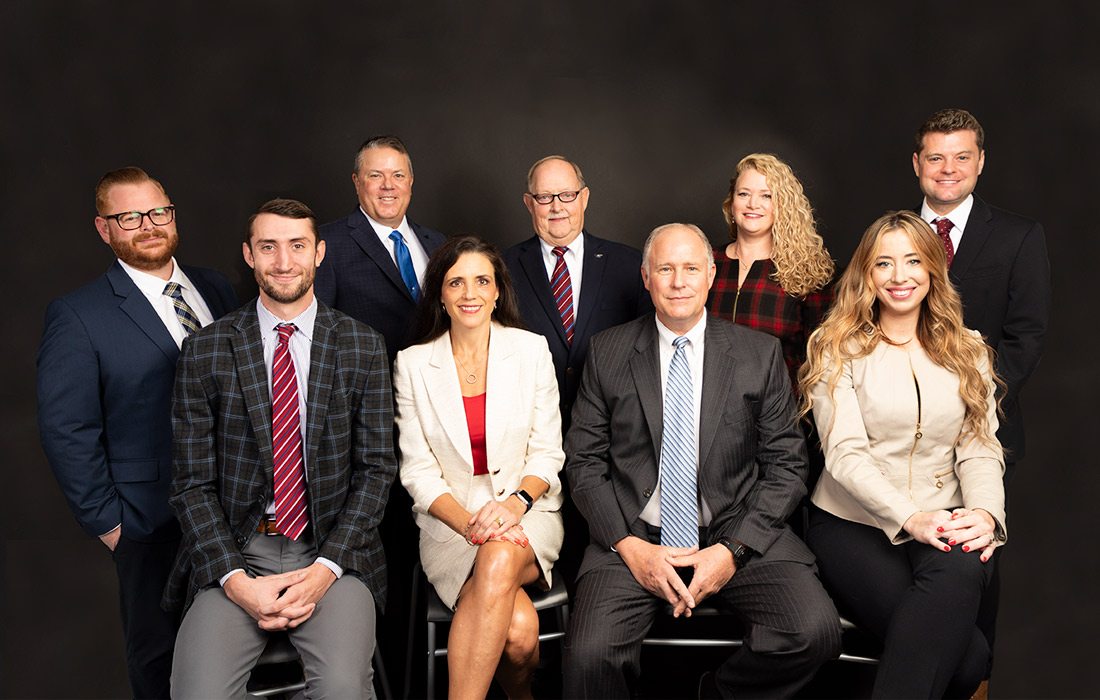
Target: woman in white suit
x,y
480,436
910,508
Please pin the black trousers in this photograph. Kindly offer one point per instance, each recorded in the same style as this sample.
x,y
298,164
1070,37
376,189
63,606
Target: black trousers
x,y
921,602
792,628
148,631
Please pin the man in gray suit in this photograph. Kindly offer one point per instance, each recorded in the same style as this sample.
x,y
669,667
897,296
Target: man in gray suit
x,y
283,423
686,461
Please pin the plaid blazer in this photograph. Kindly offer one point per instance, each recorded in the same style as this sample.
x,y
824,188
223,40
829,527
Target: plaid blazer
x,y
763,305
222,471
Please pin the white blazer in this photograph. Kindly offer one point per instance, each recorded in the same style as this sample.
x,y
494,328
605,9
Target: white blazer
x,y
522,424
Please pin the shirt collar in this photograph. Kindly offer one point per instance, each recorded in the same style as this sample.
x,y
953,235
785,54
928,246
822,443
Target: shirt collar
x,y
383,231
304,321
576,248
958,216
151,285
694,336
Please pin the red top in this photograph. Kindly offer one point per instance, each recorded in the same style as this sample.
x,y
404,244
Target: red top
x,y
475,419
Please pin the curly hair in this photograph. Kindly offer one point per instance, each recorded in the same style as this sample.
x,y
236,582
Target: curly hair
x,y
851,330
802,264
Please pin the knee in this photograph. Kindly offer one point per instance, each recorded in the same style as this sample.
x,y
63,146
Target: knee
x,y
523,633
496,571
340,677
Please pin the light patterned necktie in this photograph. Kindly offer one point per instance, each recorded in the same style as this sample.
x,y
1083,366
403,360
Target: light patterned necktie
x,y
679,489
562,287
943,228
286,440
184,313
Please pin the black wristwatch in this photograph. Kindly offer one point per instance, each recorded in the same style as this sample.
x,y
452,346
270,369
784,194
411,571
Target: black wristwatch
x,y
741,553
526,498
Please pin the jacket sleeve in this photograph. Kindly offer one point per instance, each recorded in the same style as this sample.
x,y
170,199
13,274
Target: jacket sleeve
x,y
1027,314
980,466
545,457
421,473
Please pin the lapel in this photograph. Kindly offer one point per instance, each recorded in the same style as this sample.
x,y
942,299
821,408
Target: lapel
x,y
134,304
364,236
322,367
504,368
647,381
978,229
445,396
248,356
530,259
593,274
718,368
207,291
426,241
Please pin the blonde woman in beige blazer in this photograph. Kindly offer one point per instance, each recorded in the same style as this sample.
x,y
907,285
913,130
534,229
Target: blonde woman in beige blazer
x,y
478,394
910,508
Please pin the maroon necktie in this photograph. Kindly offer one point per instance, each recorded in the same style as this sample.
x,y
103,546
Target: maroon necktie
x,y
943,227
562,287
286,440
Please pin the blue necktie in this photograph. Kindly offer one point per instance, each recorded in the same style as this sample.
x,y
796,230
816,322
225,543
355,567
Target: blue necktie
x,y
679,490
405,264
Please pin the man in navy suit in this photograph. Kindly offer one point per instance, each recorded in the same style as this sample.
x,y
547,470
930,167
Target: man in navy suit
x,y
597,285
376,256
998,262
105,371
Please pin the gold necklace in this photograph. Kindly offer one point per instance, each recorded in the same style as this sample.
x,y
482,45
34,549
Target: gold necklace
x,y
893,342
471,378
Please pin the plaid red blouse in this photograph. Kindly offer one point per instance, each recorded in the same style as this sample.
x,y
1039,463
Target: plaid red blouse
x,y
763,305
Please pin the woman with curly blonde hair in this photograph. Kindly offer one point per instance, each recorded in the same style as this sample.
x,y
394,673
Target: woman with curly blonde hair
x,y
910,508
774,274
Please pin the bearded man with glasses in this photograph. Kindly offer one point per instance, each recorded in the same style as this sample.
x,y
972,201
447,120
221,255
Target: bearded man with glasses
x,y
106,366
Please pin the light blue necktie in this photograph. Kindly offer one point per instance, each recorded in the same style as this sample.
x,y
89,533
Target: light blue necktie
x,y
405,264
679,490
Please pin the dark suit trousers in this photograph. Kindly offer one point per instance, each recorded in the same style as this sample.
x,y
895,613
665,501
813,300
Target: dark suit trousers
x,y
792,628
922,603
149,632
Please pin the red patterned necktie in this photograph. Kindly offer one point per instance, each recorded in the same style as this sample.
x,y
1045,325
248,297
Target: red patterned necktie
x,y
562,287
943,227
286,440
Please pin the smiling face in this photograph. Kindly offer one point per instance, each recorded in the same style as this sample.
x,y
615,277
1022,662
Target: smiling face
x,y
948,166
284,254
751,205
470,291
149,247
899,276
557,223
384,184
678,274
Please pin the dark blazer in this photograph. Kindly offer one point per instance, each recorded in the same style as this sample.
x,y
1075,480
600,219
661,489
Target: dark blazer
x,y
1003,275
105,370
611,293
358,276
752,456
222,477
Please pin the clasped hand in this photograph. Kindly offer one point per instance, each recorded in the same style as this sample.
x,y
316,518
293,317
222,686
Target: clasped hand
x,y
497,520
655,566
970,529
280,601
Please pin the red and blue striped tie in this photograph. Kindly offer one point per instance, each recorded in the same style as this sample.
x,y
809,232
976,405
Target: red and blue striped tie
x,y
286,440
562,287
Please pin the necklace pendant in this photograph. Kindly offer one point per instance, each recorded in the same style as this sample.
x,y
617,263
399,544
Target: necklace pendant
x,y
471,379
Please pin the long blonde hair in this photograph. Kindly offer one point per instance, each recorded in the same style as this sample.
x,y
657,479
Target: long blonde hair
x,y
802,264
851,330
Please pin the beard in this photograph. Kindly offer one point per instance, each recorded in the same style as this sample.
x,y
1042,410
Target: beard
x,y
130,251
286,294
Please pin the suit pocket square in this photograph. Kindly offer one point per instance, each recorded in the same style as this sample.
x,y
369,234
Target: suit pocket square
x,y
129,471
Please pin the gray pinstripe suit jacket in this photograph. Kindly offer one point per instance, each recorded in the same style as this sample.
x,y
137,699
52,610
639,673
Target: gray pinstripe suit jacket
x,y
222,471
752,456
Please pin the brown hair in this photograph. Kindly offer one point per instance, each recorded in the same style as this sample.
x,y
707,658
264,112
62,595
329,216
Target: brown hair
x,y
288,208
386,141
946,121
130,175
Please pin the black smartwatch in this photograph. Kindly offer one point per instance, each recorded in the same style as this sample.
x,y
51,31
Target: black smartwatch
x,y
741,553
526,498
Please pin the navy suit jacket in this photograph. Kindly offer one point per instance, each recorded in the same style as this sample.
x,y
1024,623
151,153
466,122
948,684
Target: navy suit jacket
x,y
105,370
1002,272
358,276
224,468
612,293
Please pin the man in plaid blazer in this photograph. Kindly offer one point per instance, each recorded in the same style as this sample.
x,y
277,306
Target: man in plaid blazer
x,y
248,566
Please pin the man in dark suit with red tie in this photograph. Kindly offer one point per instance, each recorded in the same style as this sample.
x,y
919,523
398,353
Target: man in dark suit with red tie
x,y
283,421
105,372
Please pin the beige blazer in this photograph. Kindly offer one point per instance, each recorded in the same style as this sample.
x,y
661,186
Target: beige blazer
x,y
877,472
522,438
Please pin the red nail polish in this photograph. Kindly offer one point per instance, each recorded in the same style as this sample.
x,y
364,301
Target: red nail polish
x,y
950,541
939,529
946,548
965,548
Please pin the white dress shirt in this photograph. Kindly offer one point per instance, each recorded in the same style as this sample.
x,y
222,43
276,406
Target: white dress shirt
x,y
416,251
958,216
574,262
153,289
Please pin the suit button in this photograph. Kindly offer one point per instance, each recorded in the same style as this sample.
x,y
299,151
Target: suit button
x,y
569,372
241,541
647,493
501,492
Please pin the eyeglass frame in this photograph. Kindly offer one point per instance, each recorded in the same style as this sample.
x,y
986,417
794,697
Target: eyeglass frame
x,y
171,209
555,195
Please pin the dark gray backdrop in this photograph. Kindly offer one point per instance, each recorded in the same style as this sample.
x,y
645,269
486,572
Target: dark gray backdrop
x,y
232,103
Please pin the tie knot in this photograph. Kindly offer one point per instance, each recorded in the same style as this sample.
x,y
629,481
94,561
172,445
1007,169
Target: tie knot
x,y
559,250
395,236
174,290
680,342
285,331
944,226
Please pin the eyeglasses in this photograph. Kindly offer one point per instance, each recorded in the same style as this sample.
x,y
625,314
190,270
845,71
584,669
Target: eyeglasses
x,y
546,198
130,220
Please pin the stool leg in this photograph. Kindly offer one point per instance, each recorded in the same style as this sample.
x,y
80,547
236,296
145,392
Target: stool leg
x,y
380,674
431,661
